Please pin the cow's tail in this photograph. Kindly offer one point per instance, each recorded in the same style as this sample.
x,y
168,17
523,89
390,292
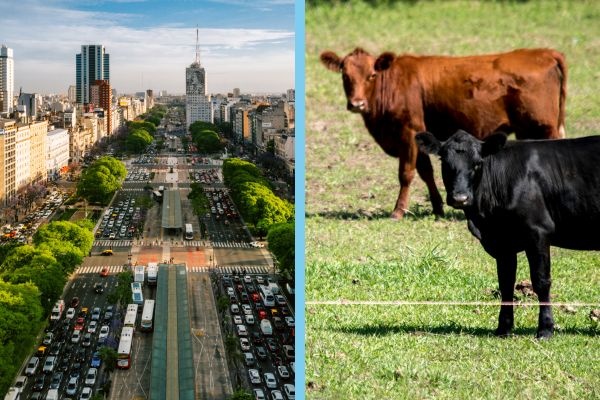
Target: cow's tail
x,y
562,77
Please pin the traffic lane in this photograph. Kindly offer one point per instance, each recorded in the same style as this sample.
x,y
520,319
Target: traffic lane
x,y
239,256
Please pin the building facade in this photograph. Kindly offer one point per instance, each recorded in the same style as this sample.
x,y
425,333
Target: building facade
x,y
23,156
101,96
32,103
197,103
7,80
38,132
8,182
92,64
57,155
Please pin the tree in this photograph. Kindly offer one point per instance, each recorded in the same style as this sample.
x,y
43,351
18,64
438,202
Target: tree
x,y
138,140
241,394
271,146
281,240
67,254
222,304
121,294
101,179
108,356
65,232
50,280
207,141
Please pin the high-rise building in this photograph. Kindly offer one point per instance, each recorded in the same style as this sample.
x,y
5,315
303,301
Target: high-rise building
x,y
72,93
197,103
7,80
8,184
236,92
291,93
32,102
101,96
91,65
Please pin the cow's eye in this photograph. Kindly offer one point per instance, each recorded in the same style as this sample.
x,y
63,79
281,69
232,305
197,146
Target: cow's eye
x,y
371,77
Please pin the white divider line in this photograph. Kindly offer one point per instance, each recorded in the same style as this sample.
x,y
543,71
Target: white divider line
x,y
342,302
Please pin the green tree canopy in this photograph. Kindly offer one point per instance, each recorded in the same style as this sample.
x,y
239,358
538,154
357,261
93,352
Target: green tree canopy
x,y
27,256
50,280
282,244
207,141
101,179
145,125
241,394
65,232
138,140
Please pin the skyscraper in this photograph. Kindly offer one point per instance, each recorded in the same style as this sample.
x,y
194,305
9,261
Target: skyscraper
x,y
7,80
197,103
91,64
101,96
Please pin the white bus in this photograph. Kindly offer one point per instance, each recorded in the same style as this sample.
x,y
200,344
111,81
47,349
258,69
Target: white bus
x,y
131,315
147,324
136,293
124,350
152,273
266,296
139,274
189,232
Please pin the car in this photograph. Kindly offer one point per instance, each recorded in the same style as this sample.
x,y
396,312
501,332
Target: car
x,y
260,280
49,364
289,352
20,383
261,352
262,314
79,325
104,272
283,372
70,313
244,297
259,394
72,386
249,359
254,376
104,331
289,321
87,340
235,309
276,395
272,345
107,252
64,364
75,302
278,323
290,391
90,378
86,393
96,314
98,288
255,297
247,279
247,309
280,300
80,355
237,320
48,338
242,330
92,327
250,319
39,383
270,380
257,338
32,366
245,344
56,380
55,348
96,360
108,313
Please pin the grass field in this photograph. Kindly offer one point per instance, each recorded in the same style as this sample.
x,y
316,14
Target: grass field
x,y
355,252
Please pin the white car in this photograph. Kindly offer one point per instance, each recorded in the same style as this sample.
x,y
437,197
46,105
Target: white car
x,y
290,391
32,366
70,313
235,309
86,393
90,378
242,330
247,279
92,327
247,309
270,380
283,372
245,344
254,376
104,331
250,319
72,386
237,320
289,321
259,394
276,395
76,337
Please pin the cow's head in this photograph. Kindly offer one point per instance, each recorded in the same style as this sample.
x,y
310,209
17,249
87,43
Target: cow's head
x,y
462,156
359,70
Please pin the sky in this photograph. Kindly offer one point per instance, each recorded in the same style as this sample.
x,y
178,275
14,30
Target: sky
x,y
247,44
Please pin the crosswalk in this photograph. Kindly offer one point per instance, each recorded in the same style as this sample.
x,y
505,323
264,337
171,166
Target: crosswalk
x,y
113,243
95,269
231,244
230,269
133,189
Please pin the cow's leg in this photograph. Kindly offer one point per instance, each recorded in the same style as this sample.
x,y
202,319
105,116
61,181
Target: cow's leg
x,y
506,267
406,174
425,171
538,256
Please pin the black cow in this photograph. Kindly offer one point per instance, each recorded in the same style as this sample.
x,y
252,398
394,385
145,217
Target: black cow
x,y
523,196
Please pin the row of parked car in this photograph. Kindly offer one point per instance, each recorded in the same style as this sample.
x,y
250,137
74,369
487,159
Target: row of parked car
x,y
121,220
206,176
137,175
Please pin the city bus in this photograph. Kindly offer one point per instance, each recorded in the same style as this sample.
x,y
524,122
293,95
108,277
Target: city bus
x,y
266,296
139,274
147,324
152,273
136,293
124,350
189,232
131,315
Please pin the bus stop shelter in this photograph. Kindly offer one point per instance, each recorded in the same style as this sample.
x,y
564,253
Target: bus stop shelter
x,y
171,211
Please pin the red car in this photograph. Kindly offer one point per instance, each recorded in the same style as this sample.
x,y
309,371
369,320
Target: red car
x,y
104,272
79,324
262,314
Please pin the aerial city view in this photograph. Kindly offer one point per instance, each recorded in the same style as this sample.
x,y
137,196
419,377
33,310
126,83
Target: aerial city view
x,y
147,201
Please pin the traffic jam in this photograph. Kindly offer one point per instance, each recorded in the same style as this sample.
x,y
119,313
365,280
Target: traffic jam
x,y
121,221
263,322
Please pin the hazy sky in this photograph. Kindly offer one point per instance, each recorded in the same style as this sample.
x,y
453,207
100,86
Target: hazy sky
x,y
245,44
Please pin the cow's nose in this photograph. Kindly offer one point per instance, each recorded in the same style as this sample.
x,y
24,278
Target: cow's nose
x,y
357,105
460,198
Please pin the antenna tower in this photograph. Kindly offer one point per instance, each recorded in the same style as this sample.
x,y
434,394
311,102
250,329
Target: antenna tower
x,y
197,47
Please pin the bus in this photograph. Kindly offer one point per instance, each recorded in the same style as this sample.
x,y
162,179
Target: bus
x,y
136,293
139,274
152,273
147,324
124,350
266,296
189,232
131,315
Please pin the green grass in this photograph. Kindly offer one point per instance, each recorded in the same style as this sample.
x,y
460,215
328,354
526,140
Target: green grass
x,y
355,252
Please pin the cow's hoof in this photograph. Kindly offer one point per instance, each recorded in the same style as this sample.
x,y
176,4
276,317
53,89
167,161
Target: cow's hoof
x,y
397,215
503,332
544,334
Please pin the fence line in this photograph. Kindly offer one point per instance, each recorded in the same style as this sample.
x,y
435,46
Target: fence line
x,y
342,302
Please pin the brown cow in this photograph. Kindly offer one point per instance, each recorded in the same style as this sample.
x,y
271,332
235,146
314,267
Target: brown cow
x,y
522,91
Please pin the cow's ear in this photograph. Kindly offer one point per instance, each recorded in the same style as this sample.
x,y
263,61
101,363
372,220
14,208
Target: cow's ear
x,y
493,143
384,61
428,143
331,60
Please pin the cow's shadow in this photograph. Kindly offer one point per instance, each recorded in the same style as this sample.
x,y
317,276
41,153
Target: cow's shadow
x,y
415,213
451,329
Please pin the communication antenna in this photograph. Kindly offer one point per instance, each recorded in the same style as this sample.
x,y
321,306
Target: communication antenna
x,y
197,47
